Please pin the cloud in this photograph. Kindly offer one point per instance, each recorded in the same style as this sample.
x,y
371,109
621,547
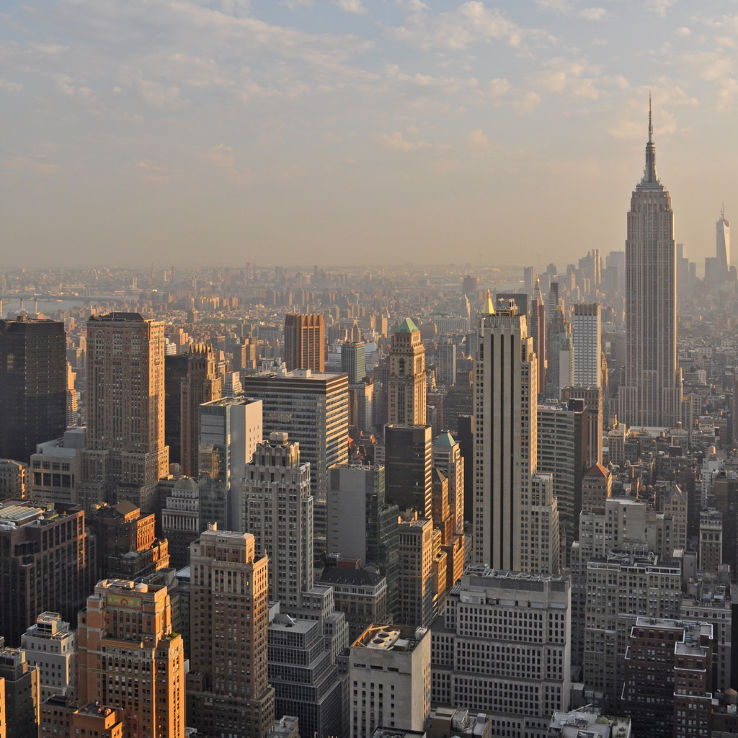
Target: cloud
x,y
527,103
397,142
593,14
351,6
158,95
33,164
414,6
660,7
224,157
295,4
470,23
152,171
683,31
567,76
66,85
477,139
10,86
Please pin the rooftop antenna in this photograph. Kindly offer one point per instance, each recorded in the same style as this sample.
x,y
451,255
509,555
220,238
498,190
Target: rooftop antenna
x,y
650,124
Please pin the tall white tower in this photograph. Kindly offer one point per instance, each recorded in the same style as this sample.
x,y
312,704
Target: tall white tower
x,y
652,392
505,402
586,334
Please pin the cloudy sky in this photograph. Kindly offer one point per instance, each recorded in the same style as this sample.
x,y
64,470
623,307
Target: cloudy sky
x,y
357,131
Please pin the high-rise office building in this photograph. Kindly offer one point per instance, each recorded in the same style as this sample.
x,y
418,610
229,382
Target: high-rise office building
x,y
362,524
191,380
502,647
128,657
586,331
228,692
538,331
230,429
277,509
409,464
353,361
446,359
668,686
406,387
51,645
415,601
312,409
593,417
562,452
126,454
505,424
14,480
389,680
22,694
304,342
33,385
447,458
127,546
46,562
181,521
56,469
652,391
306,683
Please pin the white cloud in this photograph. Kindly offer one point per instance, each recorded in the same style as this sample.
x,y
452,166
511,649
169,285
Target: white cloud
x,y
66,85
10,86
34,164
683,31
565,75
351,6
470,23
593,14
477,139
527,103
160,95
153,172
414,6
660,7
224,157
397,142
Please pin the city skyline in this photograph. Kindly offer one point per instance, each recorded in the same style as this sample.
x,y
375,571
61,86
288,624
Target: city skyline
x,y
384,125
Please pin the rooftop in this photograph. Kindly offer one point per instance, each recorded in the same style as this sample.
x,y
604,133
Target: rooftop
x,y
407,326
390,638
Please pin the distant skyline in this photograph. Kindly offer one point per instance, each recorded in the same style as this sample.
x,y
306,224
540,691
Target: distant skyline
x,y
365,131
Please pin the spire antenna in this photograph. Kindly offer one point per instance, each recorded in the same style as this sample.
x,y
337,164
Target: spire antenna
x,y
650,124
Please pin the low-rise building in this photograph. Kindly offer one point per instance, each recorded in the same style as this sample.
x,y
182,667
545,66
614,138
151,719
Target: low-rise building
x,y
50,644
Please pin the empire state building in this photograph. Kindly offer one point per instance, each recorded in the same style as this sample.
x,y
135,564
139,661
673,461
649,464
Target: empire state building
x,y
652,393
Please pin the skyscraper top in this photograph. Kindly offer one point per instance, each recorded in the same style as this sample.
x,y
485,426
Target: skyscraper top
x,y
407,326
488,308
650,178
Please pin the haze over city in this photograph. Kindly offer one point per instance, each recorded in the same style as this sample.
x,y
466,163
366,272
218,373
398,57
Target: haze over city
x,y
356,131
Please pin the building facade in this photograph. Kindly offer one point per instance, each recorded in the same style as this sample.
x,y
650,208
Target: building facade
x,y
651,394
304,342
406,400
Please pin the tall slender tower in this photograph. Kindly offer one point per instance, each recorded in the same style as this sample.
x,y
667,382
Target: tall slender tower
x,y
505,427
652,392
538,331
722,228
406,384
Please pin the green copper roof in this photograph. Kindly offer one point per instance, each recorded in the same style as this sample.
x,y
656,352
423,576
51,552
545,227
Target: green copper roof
x,y
445,439
407,326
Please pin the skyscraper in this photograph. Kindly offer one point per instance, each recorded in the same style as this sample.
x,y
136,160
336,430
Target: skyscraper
x,y
353,361
722,229
228,692
409,466
652,392
33,385
277,509
586,333
304,342
505,427
538,331
128,657
126,454
45,564
406,382
191,380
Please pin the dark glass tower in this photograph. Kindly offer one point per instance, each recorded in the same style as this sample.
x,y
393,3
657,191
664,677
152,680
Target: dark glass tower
x,y
33,385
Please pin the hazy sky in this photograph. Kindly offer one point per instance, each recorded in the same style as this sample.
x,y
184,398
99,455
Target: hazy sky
x,y
364,131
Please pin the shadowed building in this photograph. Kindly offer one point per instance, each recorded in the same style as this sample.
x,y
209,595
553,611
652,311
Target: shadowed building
x,y
33,385
304,342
